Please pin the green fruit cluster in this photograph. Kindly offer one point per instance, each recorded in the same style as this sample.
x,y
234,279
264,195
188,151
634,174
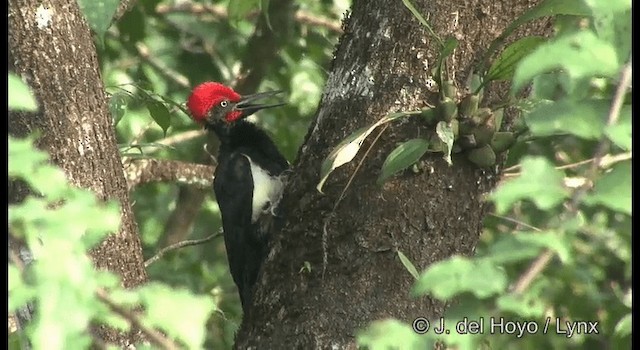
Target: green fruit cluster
x,y
476,130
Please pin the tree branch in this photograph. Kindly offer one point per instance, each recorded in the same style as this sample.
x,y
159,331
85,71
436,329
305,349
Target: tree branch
x,y
154,336
170,74
605,162
176,139
123,8
179,245
220,12
141,171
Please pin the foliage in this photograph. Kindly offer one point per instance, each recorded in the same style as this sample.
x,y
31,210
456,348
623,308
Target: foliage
x,y
60,224
557,251
20,97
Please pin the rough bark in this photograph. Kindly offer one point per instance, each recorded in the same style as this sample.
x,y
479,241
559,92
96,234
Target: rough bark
x,y
381,66
51,47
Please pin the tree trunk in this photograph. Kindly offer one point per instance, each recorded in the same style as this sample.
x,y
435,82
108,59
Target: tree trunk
x,y
51,47
381,66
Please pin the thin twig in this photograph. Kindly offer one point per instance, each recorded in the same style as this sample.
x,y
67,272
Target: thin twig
x,y
309,19
141,133
344,190
524,281
220,12
515,221
603,146
606,161
154,336
145,55
179,245
177,138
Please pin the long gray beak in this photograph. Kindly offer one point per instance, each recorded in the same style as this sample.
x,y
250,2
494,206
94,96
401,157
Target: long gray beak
x,y
248,108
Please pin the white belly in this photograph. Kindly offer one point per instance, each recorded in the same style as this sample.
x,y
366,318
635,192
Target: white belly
x,y
267,191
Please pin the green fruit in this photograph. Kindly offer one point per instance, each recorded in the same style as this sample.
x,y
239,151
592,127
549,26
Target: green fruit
x,y
468,106
482,115
467,142
473,83
502,141
447,109
430,116
482,157
448,89
483,134
466,126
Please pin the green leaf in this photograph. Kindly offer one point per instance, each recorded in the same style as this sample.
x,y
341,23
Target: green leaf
x,y
506,63
264,9
346,150
614,6
20,96
402,157
614,28
118,106
160,114
529,304
445,134
585,119
623,327
613,190
462,313
549,87
580,55
620,133
553,8
29,163
239,9
390,334
24,157
99,14
456,275
539,182
421,19
448,46
17,341
408,265
526,245
20,292
546,8
178,312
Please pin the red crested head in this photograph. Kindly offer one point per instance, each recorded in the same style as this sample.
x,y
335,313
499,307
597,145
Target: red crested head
x,y
208,95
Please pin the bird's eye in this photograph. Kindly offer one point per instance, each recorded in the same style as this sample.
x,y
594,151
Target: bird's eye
x,y
224,104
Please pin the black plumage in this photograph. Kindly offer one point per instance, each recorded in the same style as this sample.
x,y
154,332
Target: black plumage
x,y
246,233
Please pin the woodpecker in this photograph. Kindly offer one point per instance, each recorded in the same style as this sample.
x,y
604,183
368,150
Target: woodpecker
x,y
248,179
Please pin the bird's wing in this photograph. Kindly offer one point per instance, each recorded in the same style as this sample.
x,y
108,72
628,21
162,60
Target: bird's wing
x,y
233,186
